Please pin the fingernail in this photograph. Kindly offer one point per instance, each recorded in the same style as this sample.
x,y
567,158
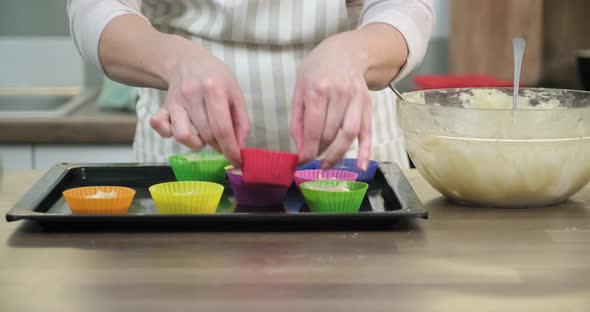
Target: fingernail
x,y
325,165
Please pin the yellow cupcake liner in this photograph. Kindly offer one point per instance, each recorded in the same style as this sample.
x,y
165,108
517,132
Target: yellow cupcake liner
x,y
186,197
228,167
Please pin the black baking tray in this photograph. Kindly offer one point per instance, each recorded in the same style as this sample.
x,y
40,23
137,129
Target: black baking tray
x,y
389,199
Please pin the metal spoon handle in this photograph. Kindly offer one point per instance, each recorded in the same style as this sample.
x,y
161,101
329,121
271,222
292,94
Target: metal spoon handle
x,y
518,46
399,95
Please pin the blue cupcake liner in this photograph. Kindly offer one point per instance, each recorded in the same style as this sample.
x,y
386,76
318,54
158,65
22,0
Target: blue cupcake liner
x,y
310,165
349,164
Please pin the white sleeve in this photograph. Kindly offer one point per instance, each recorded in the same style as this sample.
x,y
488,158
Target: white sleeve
x,y
88,18
414,19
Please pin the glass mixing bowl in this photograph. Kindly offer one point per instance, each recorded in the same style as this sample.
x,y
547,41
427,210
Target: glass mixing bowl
x,y
473,148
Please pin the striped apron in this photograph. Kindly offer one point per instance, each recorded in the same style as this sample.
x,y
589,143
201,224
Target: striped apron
x,y
262,42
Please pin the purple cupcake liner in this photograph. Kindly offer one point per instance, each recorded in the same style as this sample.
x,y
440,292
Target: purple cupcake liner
x,y
255,195
303,176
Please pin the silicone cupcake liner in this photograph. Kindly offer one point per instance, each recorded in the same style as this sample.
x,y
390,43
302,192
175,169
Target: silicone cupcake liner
x,y
205,169
268,167
255,195
316,164
310,166
349,164
186,197
303,176
324,201
80,203
227,203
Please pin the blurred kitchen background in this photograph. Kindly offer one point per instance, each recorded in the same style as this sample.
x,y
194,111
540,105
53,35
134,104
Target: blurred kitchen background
x,y
55,108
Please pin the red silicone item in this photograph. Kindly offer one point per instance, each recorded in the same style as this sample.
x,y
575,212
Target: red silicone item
x,y
425,82
268,167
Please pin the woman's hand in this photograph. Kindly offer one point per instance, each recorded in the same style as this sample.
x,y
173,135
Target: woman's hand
x,y
331,104
204,105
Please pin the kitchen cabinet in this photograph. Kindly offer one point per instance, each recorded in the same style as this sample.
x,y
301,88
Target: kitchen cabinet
x,y
45,156
565,28
481,37
481,33
16,157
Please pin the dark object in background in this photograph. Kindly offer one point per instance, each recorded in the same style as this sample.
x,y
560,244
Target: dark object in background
x,y
583,57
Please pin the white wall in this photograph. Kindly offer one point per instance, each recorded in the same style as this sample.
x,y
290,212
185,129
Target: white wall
x,y
40,61
16,157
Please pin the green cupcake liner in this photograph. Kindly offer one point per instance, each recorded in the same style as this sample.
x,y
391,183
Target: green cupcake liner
x,y
325,201
201,166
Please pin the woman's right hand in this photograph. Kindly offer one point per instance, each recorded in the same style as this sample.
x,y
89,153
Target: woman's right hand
x,y
204,105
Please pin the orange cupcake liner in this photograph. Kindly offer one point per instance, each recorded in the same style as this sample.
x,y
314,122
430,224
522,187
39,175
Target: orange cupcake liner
x,y
80,203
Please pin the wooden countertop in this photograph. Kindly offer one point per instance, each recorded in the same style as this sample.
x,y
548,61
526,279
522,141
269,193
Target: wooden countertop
x,y
461,259
87,125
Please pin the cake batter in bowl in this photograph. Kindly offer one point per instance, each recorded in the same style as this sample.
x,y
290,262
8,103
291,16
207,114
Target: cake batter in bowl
x,y
473,148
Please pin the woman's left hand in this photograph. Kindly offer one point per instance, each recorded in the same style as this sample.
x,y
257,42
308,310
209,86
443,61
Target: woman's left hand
x,y
331,104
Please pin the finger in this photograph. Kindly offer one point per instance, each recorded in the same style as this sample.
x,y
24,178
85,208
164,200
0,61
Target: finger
x,y
297,111
349,132
239,115
365,135
337,105
183,129
192,97
218,112
314,118
160,122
